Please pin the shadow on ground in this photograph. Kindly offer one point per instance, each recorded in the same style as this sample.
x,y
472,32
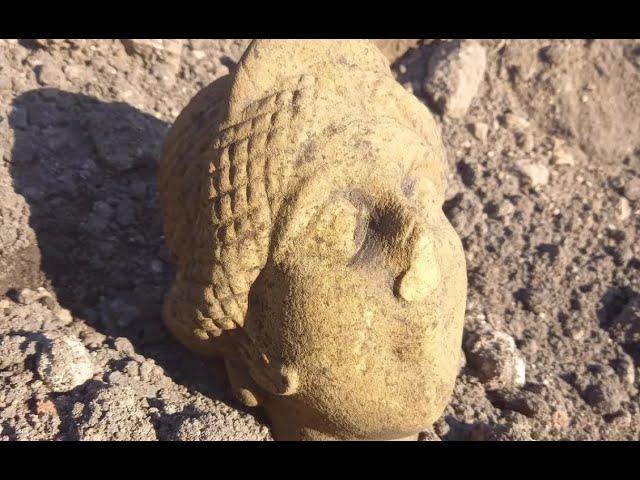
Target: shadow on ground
x,y
87,169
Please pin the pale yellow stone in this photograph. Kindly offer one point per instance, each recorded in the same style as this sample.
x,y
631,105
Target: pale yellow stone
x,y
302,202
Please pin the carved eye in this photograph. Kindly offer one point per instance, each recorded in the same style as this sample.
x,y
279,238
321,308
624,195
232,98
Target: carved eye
x,y
339,229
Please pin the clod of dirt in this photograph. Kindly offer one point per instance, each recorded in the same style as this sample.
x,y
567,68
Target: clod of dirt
x,y
11,350
494,356
454,73
605,395
527,403
625,327
116,413
126,145
64,363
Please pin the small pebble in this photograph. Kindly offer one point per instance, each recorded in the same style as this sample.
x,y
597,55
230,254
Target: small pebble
x,y
480,131
623,209
49,76
455,71
535,174
156,266
515,123
562,156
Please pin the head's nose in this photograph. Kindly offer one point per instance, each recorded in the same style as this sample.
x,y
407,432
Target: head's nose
x,y
423,274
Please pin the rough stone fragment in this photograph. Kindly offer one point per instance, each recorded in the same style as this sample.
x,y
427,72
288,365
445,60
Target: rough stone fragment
x,y
535,174
64,363
454,73
494,356
27,296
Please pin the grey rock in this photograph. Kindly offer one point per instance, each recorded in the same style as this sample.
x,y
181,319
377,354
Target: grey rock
x,y
534,174
49,75
64,363
454,73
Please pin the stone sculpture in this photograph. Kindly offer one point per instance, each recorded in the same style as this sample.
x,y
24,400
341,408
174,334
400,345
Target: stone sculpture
x,y
302,198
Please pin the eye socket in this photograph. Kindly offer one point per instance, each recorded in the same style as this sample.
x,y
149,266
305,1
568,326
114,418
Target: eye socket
x,y
338,230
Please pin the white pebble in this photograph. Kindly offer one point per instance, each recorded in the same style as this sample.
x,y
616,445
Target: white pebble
x,y
64,364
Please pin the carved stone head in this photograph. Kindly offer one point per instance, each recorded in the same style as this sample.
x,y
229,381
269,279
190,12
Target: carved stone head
x,y
302,200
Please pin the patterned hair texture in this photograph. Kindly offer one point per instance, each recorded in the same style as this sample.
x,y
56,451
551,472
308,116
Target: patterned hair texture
x,y
221,194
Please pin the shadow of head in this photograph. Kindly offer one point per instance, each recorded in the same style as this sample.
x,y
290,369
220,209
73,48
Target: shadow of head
x,y
87,170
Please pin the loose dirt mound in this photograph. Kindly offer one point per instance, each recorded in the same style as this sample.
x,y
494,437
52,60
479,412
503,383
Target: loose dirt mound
x,y
544,190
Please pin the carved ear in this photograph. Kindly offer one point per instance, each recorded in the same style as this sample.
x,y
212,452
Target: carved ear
x,y
272,376
242,385
267,63
278,379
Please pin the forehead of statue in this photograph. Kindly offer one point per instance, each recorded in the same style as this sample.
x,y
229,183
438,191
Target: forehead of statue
x,y
366,150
